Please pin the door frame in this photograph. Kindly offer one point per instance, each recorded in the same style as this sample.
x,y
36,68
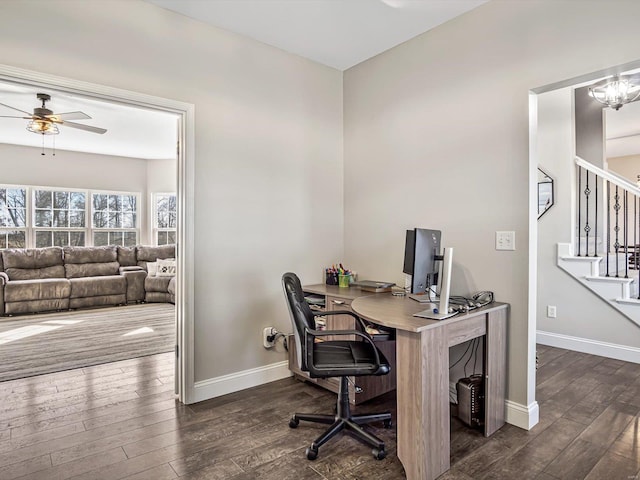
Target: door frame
x,y
185,196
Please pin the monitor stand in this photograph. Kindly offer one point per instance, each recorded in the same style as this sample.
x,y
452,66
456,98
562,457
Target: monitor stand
x,y
420,297
445,287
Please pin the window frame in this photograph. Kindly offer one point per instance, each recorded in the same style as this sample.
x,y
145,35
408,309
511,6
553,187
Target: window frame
x,y
4,231
155,230
30,229
111,230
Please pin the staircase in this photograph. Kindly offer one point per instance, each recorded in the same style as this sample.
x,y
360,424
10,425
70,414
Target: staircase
x,y
608,268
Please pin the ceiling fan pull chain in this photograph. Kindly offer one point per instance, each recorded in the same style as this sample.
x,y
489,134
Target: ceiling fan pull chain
x,y
42,144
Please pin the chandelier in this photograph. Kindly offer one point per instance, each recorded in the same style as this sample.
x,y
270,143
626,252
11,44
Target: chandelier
x,y
615,92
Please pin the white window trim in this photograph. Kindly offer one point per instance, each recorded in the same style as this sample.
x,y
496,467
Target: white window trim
x,y
154,216
30,229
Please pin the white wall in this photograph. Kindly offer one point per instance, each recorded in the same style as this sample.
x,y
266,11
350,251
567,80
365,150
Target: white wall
x,y
436,135
627,166
27,166
268,168
162,177
580,313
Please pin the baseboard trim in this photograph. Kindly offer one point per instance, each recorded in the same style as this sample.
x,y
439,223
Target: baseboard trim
x,y
593,347
523,416
218,386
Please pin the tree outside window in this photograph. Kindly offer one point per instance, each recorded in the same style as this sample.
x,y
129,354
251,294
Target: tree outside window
x,y
114,219
165,218
13,217
59,218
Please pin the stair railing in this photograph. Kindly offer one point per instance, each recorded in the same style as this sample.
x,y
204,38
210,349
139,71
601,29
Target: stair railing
x,y
619,192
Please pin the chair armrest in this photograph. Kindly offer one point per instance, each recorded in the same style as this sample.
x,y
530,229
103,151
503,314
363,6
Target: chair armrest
x,y
311,335
4,278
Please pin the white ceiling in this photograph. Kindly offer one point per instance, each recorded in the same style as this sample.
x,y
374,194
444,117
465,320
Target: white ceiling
x,y
337,33
131,132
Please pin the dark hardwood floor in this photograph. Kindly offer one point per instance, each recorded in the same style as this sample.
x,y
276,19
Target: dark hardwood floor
x,y
120,420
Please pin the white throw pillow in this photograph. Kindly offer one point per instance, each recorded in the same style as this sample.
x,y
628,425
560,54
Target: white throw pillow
x,y
152,268
166,268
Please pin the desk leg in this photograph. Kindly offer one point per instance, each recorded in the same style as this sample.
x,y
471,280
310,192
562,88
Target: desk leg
x,y
495,353
423,403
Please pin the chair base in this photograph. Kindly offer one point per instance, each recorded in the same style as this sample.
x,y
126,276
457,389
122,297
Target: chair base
x,y
344,420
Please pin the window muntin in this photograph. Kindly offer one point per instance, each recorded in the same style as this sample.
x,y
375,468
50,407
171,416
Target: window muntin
x,y
44,216
165,218
13,217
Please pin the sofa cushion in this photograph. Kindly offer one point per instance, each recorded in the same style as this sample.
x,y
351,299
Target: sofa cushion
x,y
90,261
105,254
33,263
146,254
127,256
91,269
45,289
157,284
98,286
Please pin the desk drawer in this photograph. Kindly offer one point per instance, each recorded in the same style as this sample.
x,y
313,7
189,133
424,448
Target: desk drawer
x,y
340,322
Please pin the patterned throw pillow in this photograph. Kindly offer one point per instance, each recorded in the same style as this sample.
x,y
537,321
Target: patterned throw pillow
x,y
166,268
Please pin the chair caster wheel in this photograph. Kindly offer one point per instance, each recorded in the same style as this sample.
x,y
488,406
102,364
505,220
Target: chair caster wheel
x,y
379,454
312,453
294,422
388,423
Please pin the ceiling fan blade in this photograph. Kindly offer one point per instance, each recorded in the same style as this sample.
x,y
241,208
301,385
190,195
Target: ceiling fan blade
x,y
16,109
58,117
80,126
16,116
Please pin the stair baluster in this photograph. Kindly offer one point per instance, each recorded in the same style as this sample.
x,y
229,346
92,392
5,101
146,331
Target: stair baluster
x,y
608,249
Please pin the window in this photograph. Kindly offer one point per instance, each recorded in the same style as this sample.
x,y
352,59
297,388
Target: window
x,y
115,219
165,218
13,217
44,217
59,218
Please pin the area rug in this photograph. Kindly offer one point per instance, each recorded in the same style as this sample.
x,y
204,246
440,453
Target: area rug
x,y
44,343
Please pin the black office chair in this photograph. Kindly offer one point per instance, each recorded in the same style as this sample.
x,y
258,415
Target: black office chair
x,y
334,358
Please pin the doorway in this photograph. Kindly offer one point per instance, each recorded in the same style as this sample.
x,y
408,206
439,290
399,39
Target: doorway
x,y
184,188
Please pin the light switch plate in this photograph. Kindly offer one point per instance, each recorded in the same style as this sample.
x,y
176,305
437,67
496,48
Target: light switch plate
x,y
506,240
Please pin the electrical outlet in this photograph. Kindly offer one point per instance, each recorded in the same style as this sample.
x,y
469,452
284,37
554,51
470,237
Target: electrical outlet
x,y
551,311
267,334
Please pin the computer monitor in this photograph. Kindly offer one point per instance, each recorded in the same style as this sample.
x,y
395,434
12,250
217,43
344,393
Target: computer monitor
x,y
421,252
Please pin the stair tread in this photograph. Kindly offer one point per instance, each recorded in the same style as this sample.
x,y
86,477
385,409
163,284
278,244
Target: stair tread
x,y
598,278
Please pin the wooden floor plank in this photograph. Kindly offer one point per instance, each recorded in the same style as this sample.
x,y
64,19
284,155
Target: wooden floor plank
x,y
121,421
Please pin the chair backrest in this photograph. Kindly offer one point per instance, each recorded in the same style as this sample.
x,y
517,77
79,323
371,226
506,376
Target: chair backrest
x,y
301,314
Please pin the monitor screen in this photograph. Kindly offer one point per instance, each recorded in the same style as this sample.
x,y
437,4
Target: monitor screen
x,y
422,249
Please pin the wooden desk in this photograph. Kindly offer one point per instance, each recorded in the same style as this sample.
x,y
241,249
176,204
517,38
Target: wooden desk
x,y
422,358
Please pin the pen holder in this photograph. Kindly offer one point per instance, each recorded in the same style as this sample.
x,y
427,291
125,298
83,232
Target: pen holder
x,y
331,279
344,280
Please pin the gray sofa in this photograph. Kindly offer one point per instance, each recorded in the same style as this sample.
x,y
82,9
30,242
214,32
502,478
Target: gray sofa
x,y
55,278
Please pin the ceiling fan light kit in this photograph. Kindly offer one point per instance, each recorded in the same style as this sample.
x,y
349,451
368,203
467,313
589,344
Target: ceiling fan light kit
x,y
43,127
615,92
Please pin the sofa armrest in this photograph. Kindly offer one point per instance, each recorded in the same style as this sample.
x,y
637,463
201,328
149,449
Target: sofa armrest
x,y
135,277
4,278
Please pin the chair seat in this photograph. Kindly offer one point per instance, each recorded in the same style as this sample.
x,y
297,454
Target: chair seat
x,y
337,358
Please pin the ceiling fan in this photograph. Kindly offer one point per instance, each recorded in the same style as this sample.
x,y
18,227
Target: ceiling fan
x,y
45,122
